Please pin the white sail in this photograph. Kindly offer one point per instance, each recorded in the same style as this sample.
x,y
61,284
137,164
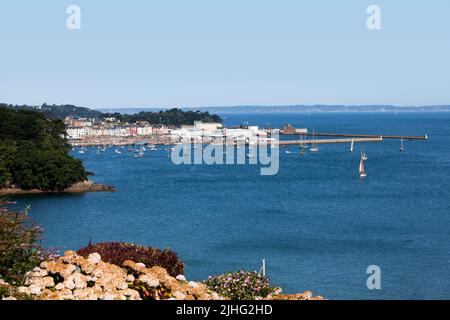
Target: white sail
x,y
314,146
362,172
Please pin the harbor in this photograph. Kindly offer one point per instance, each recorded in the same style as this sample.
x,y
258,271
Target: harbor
x,y
215,133
387,209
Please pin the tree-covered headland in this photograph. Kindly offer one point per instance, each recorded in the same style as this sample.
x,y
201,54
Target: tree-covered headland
x,y
34,153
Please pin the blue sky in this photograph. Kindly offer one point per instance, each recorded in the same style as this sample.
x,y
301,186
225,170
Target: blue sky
x,y
218,53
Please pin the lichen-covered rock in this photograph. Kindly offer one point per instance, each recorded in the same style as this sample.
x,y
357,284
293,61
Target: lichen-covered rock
x,y
69,257
35,289
40,281
59,286
94,258
149,280
180,277
307,295
136,267
60,268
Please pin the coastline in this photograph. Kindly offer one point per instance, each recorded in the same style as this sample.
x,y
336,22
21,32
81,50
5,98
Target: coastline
x,y
80,187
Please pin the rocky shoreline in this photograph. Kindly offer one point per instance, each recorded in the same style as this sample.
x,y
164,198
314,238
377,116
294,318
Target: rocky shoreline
x,y
73,277
80,187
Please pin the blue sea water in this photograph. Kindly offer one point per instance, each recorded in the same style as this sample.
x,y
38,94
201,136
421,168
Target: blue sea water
x,y
316,223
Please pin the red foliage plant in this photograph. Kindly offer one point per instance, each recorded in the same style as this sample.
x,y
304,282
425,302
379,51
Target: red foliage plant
x,y
118,252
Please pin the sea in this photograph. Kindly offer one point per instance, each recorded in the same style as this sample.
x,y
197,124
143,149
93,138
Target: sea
x,y
317,224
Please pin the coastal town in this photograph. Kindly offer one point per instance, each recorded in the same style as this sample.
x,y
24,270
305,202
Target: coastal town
x,y
111,131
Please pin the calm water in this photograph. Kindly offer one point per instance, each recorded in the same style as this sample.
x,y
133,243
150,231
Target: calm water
x,y
317,224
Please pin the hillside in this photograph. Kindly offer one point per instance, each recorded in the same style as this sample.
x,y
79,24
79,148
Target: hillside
x,y
173,116
34,154
58,111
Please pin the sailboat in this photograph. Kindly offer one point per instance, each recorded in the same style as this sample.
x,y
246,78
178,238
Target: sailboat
x,y
364,154
140,154
402,145
314,146
352,146
362,172
302,145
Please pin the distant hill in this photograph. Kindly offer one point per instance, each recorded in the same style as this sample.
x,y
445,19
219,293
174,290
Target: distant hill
x,y
62,111
58,112
293,108
173,116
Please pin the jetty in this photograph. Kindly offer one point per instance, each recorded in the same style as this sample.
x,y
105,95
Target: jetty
x,y
328,141
367,136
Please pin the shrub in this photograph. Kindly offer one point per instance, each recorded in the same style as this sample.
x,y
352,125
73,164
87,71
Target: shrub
x,y
118,252
240,285
19,252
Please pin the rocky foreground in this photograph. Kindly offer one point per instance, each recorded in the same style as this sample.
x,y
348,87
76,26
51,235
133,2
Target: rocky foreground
x,y
73,277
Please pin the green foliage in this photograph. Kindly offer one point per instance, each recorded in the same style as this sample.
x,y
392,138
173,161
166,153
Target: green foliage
x,y
240,285
58,112
175,117
12,291
34,153
19,252
4,292
118,252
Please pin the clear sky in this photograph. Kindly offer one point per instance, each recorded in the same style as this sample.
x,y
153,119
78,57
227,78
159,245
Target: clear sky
x,y
170,53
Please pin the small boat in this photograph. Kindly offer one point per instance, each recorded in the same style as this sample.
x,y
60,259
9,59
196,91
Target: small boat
x,y
288,151
352,146
314,146
364,155
140,154
362,172
402,145
118,151
82,150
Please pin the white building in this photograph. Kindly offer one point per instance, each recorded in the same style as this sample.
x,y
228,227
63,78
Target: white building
x,y
120,132
144,131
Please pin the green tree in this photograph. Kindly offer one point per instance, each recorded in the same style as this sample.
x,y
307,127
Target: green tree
x,y
34,152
